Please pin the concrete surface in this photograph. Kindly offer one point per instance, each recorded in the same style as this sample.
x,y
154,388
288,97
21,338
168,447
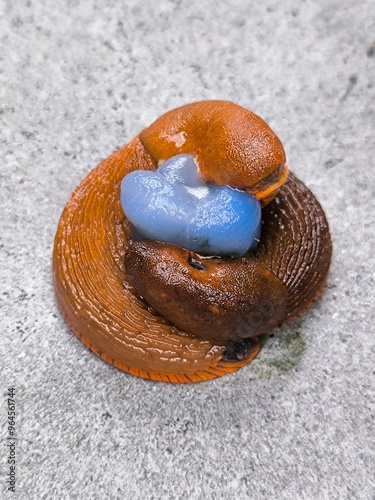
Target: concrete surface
x,y
79,79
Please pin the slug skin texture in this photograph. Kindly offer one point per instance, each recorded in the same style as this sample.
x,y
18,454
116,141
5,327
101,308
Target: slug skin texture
x,y
111,290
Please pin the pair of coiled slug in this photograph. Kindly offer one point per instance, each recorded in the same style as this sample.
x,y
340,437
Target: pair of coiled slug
x,y
160,311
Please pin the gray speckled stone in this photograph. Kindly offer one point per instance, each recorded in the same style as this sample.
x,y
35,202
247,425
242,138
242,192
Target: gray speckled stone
x,y
79,79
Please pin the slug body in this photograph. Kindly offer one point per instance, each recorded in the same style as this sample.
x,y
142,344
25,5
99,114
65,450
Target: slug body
x,y
109,288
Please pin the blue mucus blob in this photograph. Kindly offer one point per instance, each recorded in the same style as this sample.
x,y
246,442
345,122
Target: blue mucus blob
x,y
158,209
182,169
175,205
226,222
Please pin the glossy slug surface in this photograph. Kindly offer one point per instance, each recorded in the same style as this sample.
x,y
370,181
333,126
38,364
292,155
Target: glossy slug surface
x,y
94,295
232,146
216,299
221,299
296,245
92,287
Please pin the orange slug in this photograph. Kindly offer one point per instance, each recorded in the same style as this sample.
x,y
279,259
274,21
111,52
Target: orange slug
x,y
147,307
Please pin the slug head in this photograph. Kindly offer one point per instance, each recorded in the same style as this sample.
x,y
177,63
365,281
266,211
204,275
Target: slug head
x,y
231,146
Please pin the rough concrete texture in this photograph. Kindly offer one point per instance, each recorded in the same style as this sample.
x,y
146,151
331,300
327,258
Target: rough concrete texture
x,y
79,79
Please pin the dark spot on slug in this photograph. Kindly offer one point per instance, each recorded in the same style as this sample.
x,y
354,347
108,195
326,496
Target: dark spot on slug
x,y
152,311
270,178
237,350
196,264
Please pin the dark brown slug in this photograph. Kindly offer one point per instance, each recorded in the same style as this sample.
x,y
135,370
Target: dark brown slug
x,y
109,288
215,299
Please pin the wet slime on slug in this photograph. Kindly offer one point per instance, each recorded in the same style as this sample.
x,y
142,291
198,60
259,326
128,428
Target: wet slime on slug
x,y
194,309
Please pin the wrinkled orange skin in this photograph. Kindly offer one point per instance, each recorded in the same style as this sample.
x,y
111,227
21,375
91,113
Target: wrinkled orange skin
x,y
231,145
92,288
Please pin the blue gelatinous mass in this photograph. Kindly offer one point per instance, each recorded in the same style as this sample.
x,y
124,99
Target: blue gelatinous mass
x,y
175,205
